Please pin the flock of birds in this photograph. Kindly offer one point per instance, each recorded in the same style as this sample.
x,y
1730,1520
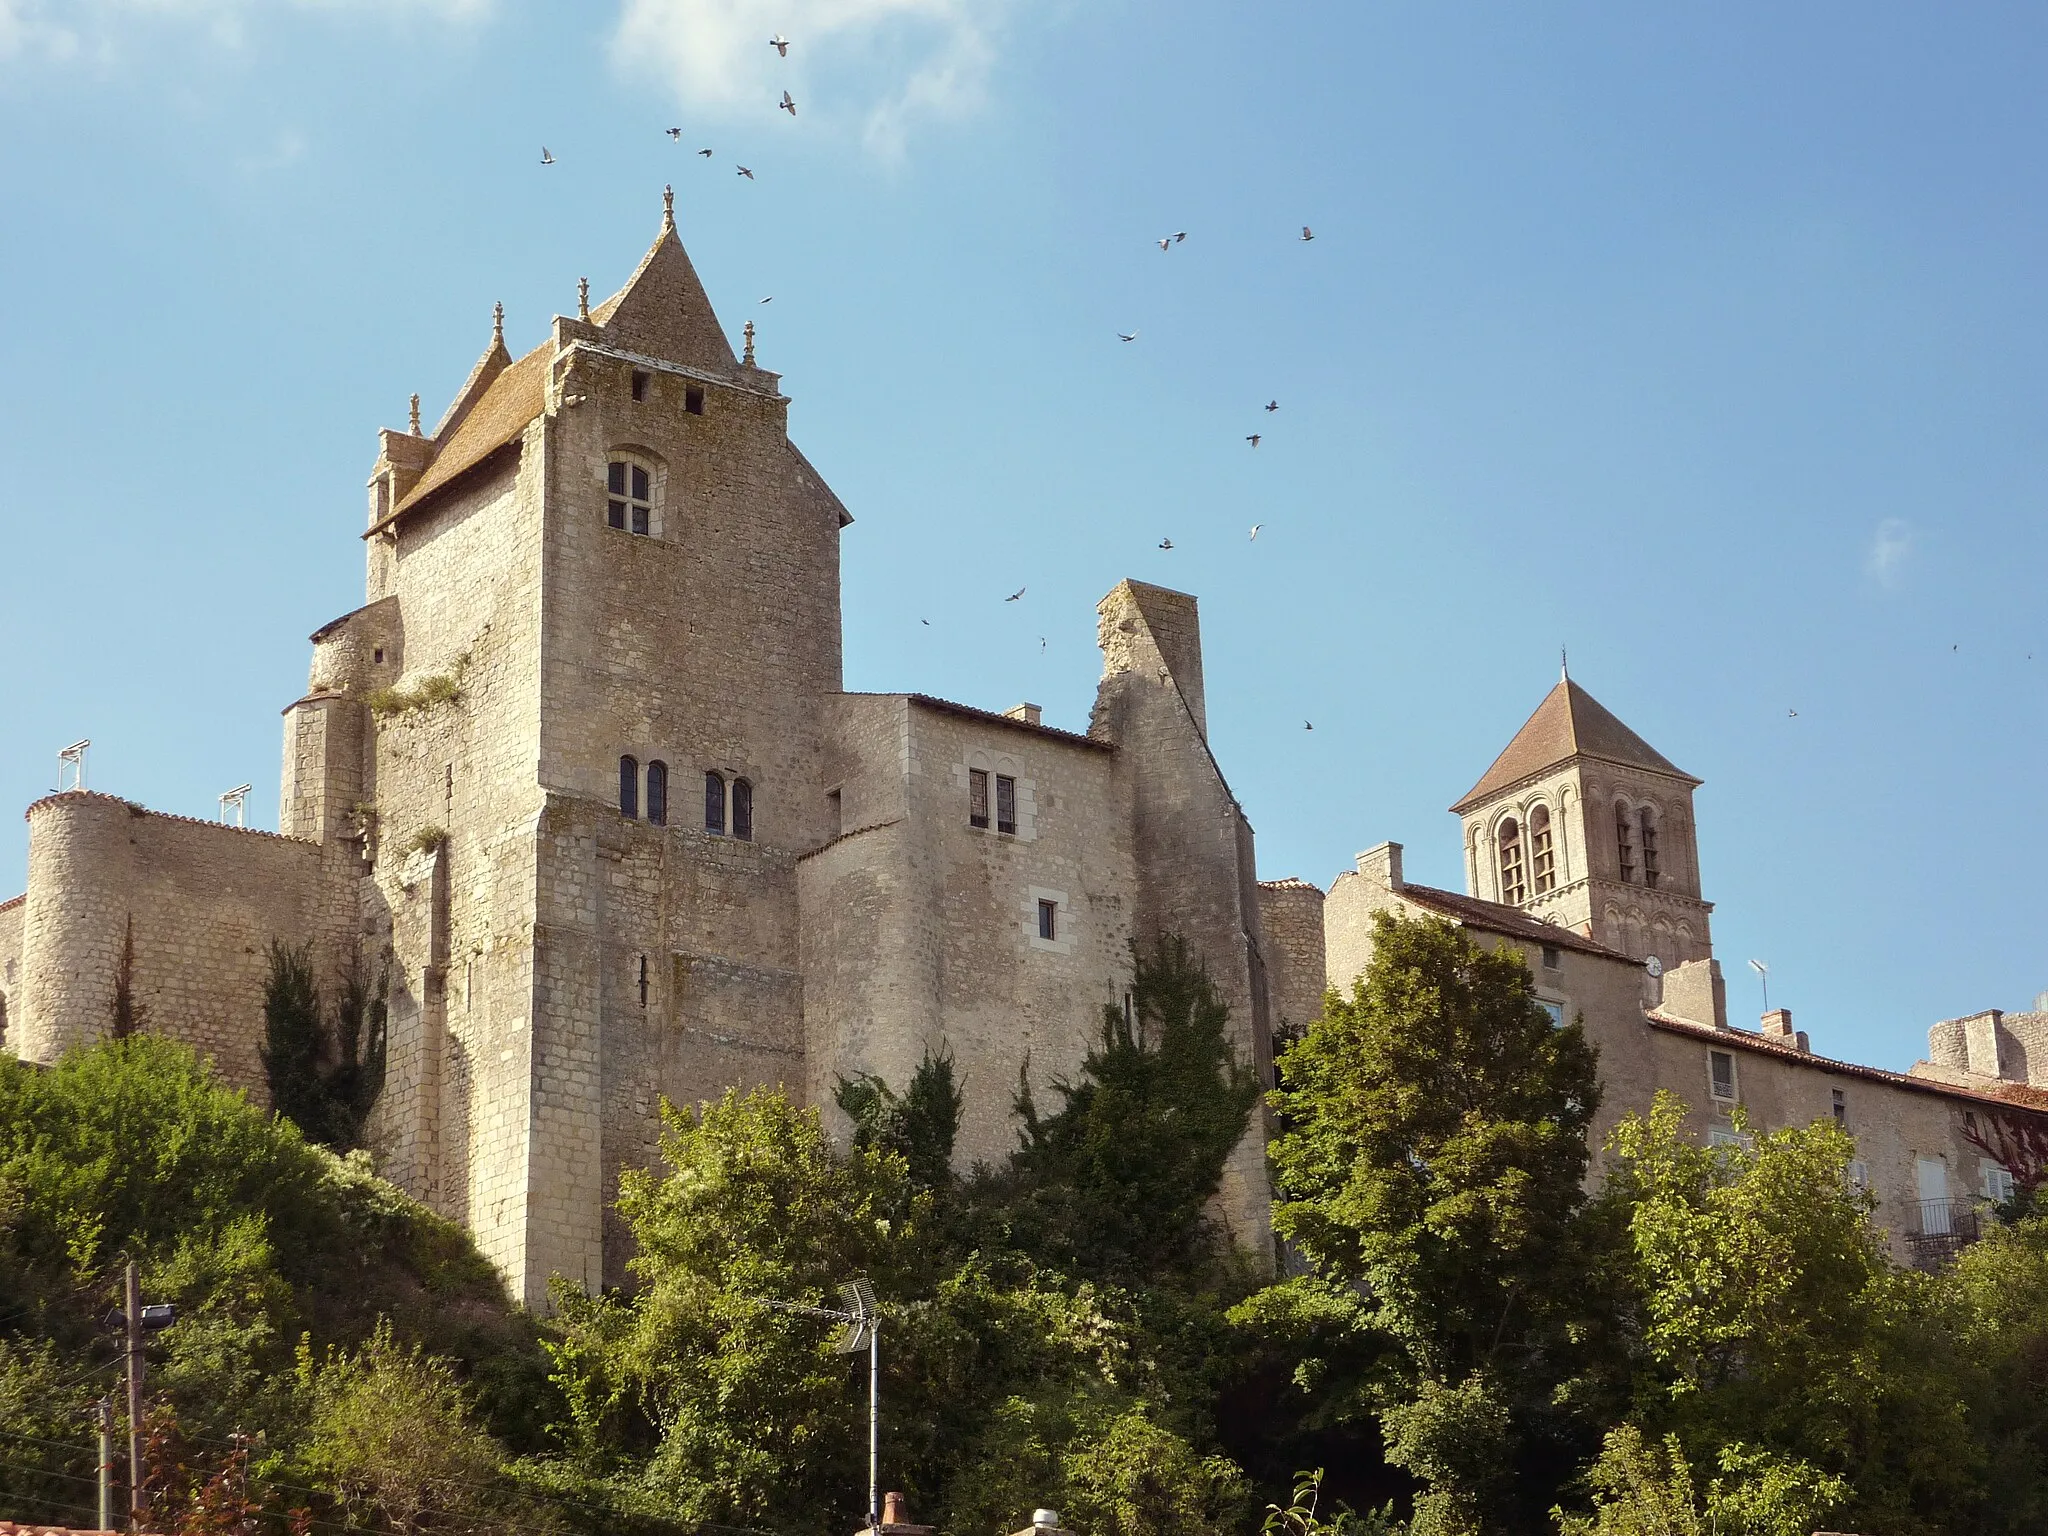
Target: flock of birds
x,y
1166,243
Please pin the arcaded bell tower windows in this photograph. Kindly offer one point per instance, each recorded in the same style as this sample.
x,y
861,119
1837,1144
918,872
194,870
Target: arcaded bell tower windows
x,y
1625,845
1542,855
657,794
1649,825
629,787
630,502
1514,885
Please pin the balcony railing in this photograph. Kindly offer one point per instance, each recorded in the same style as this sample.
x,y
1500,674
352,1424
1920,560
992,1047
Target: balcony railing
x,y
1946,1228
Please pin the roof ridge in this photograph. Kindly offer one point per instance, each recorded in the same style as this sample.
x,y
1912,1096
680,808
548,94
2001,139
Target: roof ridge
x,y
1568,723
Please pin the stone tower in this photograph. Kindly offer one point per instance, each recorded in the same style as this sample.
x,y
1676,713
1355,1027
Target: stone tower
x,y
1582,822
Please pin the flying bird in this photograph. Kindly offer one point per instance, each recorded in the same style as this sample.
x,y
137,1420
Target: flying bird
x,y
705,153
1255,529
1272,405
927,623
769,300
545,157
1307,233
1166,543
788,104
1126,335
1307,725
1016,594
1253,438
1041,644
674,133
1179,235
1166,245
780,44
1791,714
746,173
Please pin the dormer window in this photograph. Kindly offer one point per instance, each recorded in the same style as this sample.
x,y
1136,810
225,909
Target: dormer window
x,y
629,503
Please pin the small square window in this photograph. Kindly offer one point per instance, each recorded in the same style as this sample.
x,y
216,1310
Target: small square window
x,y
693,399
1048,920
1721,1065
977,797
1555,1010
1006,803
1551,960
377,655
639,384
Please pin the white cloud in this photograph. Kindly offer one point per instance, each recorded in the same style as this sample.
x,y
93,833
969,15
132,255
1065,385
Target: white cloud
x,y
1885,561
891,62
67,29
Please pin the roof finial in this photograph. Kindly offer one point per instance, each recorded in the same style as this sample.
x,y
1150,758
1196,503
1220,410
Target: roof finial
x,y
415,415
749,358
582,298
668,210
1564,665
498,324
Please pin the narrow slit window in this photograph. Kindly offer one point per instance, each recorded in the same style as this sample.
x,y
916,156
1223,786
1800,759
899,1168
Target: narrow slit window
x,y
1006,803
629,500
639,384
629,786
1649,849
657,793
693,399
835,811
1721,1068
1514,886
643,981
1048,920
743,810
714,804
977,797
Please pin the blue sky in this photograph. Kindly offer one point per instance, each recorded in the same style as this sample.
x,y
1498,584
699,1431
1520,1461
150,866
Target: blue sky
x,y
1706,340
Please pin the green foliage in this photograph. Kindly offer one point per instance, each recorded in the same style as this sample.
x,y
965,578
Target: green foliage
x,y
426,693
1430,1169
920,1126
1640,1489
1302,1515
1114,1180
1134,1478
324,1078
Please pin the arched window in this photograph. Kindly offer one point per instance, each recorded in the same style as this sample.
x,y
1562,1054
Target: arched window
x,y
1514,888
1649,824
714,804
657,793
629,786
1624,843
629,502
743,810
1542,857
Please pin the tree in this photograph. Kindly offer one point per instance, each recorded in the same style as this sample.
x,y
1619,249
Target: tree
x,y
1430,1170
324,1077
920,1126
1640,1489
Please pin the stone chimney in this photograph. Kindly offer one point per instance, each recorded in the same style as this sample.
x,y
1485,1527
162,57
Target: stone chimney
x,y
1156,633
1980,1043
1028,713
1382,865
1778,1026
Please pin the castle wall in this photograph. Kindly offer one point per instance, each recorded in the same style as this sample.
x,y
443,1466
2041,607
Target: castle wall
x,y
1291,917
458,918
188,908
12,915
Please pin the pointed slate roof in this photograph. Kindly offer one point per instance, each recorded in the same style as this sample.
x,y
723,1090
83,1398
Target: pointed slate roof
x,y
1569,723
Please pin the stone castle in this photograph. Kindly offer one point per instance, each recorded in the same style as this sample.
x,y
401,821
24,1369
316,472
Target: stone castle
x,y
582,784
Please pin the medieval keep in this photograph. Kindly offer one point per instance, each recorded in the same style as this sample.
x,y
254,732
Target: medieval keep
x,y
580,786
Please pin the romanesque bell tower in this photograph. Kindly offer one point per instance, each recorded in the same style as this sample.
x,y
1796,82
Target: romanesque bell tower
x,y
1582,822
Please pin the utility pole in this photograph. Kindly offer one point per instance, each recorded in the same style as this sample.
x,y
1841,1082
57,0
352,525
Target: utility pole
x,y
132,1310
106,1419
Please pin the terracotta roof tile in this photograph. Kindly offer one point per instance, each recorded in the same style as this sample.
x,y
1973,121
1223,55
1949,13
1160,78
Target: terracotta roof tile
x,y
989,716
13,901
1511,922
142,810
1290,883
1569,723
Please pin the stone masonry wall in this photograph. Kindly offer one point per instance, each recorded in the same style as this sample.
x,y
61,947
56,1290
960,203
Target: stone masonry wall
x,y
193,905
12,914
1291,917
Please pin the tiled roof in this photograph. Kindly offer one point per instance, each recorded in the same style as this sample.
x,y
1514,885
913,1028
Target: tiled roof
x,y
1512,922
989,716
498,419
1290,883
2005,1096
1569,723
142,810
13,901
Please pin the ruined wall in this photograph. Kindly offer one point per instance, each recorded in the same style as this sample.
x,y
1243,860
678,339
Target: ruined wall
x,y
12,914
188,908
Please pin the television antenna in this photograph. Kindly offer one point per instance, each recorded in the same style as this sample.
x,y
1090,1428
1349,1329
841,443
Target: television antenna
x,y
71,765
861,1317
236,800
1765,972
